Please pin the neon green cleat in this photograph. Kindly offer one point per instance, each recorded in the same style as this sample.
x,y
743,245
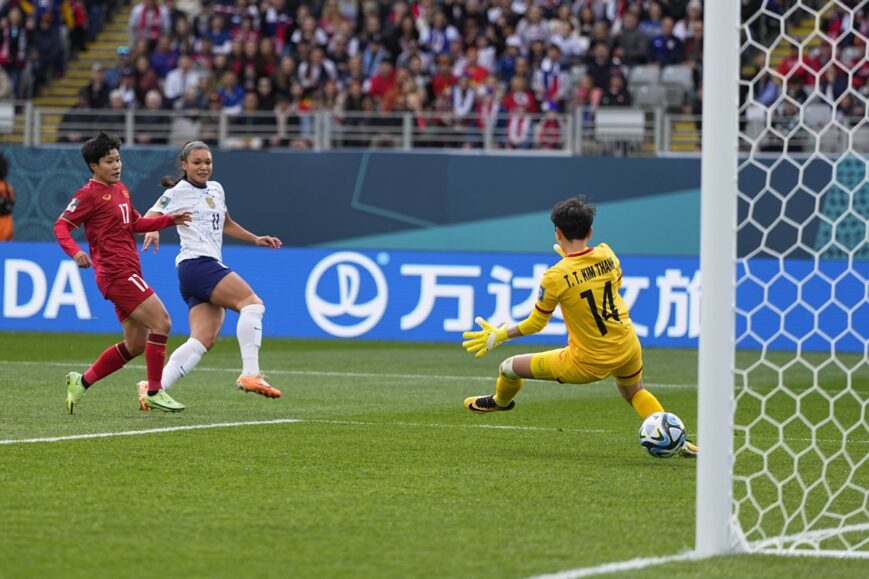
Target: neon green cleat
x,y
689,450
164,402
74,390
486,404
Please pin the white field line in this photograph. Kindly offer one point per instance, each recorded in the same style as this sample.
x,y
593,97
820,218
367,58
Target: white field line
x,y
297,421
79,364
148,431
630,565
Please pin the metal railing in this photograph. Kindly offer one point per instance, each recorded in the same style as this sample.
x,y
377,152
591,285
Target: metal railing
x,y
605,131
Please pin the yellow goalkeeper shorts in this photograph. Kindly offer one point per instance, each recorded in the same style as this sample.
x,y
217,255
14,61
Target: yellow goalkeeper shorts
x,y
568,366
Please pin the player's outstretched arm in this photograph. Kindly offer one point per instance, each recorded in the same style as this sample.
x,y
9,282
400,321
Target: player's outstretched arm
x,y
236,231
145,224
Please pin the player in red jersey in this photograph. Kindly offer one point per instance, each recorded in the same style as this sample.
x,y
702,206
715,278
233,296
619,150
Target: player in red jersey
x,y
104,208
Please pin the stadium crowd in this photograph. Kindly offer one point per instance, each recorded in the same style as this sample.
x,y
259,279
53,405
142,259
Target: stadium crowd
x,y
451,63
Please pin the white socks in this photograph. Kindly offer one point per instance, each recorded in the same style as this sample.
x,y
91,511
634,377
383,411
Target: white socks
x,y
182,361
250,336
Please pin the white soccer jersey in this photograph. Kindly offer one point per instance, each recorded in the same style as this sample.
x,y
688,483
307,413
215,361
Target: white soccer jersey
x,y
203,236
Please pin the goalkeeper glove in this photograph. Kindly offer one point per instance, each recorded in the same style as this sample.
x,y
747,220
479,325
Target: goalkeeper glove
x,y
481,342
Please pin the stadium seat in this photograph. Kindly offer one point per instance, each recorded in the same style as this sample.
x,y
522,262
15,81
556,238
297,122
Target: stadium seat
x,y
817,115
649,95
861,140
619,123
678,75
644,74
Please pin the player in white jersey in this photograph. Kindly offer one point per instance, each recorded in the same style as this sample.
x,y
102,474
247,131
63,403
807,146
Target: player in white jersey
x,y
207,285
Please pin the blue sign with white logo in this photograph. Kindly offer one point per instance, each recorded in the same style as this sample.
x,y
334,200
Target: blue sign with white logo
x,y
434,296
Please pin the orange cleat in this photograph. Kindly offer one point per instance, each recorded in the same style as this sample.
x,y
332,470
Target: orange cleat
x,y
258,385
143,391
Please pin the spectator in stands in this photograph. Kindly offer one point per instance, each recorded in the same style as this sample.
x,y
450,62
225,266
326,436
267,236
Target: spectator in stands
x,y
183,41
14,42
600,66
833,83
163,58
573,47
266,97
47,53
97,90
792,66
507,62
179,79
372,55
153,124
519,129
665,49
683,29
694,45
314,72
127,87
532,27
284,75
550,82
519,97
148,20
585,20
231,93
146,79
220,39
548,132
437,38
652,25
616,94
382,82
632,45
113,75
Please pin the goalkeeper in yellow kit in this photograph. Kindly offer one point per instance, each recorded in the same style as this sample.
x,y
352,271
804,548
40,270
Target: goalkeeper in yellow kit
x,y
601,339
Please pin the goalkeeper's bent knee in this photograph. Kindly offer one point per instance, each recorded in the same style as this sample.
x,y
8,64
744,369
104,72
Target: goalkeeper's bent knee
x,y
506,369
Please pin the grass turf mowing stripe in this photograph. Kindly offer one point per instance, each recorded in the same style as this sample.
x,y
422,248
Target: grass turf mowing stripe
x,y
335,422
490,378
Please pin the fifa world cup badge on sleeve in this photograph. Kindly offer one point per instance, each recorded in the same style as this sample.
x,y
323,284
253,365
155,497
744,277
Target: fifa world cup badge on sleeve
x,y
541,293
72,205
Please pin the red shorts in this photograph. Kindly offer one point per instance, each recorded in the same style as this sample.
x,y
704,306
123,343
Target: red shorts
x,y
127,295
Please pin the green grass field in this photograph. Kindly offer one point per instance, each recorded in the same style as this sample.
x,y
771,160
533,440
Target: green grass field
x,y
383,474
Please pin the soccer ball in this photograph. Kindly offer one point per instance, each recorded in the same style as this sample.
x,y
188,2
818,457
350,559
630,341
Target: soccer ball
x,y
662,434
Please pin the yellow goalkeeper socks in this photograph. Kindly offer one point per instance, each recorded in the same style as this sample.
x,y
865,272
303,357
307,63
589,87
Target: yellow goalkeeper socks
x,y
645,403
506,389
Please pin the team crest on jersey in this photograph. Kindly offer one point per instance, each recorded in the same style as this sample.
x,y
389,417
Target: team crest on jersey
x,y
210,202
164,201
540,293
72,205
107,197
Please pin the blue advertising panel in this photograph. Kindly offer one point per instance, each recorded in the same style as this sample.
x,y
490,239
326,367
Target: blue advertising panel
x,y
434,296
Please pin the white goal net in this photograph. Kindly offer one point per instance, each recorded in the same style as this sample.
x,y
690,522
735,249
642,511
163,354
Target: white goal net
x,y
801,436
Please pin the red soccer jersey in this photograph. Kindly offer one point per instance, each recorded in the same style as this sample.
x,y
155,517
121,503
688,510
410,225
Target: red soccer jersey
x,y
108,216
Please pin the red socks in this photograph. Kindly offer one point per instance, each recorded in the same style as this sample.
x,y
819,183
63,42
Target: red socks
x,y
111,360
155,356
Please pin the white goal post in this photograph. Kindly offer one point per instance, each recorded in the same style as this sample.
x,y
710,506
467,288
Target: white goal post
x,y
783,381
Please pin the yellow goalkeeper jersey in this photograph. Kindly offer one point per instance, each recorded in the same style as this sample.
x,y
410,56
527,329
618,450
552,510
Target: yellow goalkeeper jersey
x,y
586,286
